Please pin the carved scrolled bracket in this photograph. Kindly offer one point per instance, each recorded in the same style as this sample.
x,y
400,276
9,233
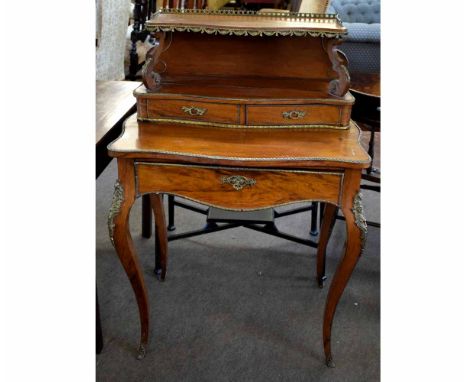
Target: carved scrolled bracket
x,y
340,86
149,73
359,218
117,201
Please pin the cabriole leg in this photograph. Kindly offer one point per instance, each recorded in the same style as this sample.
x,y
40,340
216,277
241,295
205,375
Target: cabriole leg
x,y
118,223
356,233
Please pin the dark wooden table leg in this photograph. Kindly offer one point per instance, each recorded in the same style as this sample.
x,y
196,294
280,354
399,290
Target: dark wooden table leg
x,y
314,221
321,211
171,212
356,233
326,229
146,220
160,236
118,222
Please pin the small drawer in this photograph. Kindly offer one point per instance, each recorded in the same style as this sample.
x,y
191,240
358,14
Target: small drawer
x,y
294,115
238,188
193,111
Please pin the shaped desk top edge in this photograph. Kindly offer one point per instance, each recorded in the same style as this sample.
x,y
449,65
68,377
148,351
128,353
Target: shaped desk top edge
x,y
248,147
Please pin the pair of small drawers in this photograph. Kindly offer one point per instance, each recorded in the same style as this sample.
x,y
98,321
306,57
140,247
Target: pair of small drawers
x,y
243,114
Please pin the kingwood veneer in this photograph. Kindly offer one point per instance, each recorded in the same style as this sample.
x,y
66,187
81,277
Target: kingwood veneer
x,y
242,112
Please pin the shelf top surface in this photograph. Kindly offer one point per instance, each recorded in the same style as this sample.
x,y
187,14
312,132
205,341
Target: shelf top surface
x,y
270,90
246,23
241,146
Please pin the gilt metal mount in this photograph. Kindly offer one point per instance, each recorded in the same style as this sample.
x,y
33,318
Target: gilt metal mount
x,y
359,218
192,110
238,182
294,114
117,201
141,352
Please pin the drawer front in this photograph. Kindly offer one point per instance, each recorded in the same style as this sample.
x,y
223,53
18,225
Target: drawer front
x,y
238,188
294,115
193,111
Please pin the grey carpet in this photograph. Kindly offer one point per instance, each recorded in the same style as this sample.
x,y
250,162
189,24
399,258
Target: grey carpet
x,y
237,305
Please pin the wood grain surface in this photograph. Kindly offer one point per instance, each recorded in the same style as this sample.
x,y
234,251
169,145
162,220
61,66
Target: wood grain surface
x,y
298,115
226,56
209,185
244,147
366,83
113,100
235,89
186,109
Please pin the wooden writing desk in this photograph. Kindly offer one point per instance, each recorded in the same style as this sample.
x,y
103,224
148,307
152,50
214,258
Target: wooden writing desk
x,y
214,126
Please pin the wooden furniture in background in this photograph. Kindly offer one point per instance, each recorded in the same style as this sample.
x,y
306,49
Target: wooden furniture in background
x,y
114,103
365,87
242,112
142,11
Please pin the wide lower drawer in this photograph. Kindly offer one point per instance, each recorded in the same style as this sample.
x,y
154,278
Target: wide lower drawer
x,y
192,111
296,115
238,188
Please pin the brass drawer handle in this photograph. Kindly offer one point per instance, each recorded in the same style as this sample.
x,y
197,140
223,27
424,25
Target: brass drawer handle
x,y
192,110
294,114
237,181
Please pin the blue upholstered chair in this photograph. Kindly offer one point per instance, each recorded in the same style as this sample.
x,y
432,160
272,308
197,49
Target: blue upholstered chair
x,y
362,45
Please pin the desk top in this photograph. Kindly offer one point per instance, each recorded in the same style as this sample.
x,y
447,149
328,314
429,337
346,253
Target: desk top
x,y
243,23
245,147
113,100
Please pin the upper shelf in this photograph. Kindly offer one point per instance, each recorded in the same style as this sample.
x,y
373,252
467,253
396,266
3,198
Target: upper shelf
x,y
244,23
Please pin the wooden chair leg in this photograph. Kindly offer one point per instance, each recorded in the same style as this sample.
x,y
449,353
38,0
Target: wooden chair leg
x,y
321,211
171,212
370,151
314,221
119,232
326,229
146,220
356,228
133,69
160,236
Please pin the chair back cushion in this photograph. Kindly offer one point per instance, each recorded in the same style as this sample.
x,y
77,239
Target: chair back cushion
x,y
358,11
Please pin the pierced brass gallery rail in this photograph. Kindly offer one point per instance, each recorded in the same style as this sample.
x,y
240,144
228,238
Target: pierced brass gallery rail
x,y
238,182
